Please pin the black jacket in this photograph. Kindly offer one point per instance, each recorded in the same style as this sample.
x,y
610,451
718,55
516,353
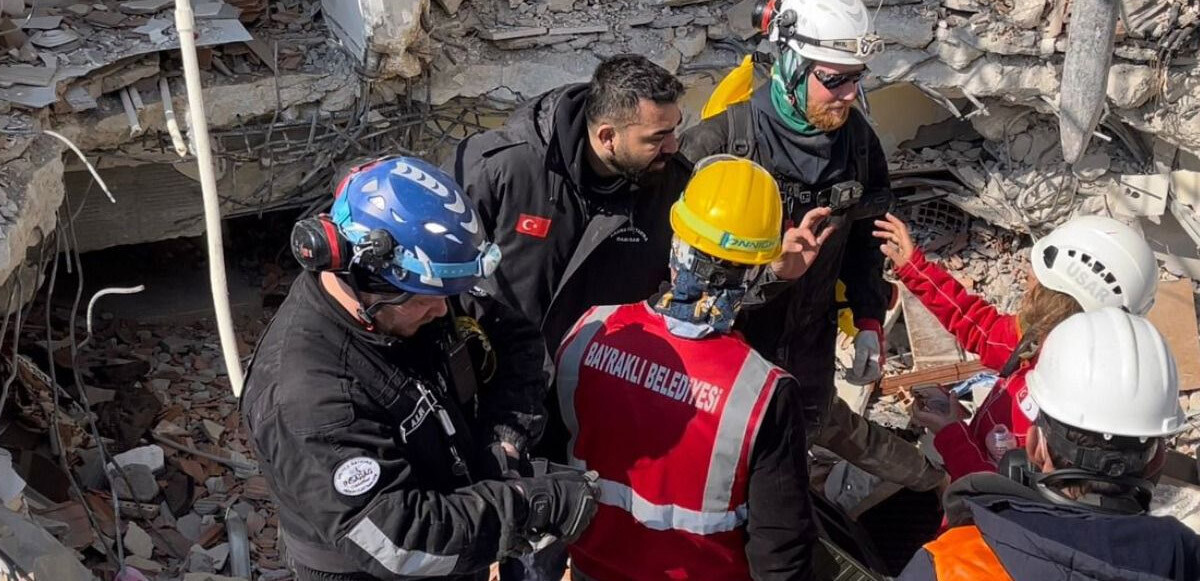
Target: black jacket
x,y
1036,540
597,248
347,429
796,326
793,323
780,532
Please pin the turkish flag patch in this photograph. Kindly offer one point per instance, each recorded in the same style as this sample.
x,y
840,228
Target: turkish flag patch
x,y
535,226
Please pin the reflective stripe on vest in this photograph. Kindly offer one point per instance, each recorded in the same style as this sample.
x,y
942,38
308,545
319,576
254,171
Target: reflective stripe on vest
x,y
961,554
747,395
661,517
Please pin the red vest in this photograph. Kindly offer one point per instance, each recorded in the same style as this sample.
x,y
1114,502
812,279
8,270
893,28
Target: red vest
x,y
669,424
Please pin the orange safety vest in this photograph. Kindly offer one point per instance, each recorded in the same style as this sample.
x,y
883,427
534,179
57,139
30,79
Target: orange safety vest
x,y
961,554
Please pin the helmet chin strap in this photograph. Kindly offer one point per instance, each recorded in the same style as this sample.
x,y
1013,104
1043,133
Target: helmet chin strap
x,y
366,313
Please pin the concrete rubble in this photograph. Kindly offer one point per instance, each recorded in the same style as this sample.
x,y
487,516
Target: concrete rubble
x,y
189,433
296,87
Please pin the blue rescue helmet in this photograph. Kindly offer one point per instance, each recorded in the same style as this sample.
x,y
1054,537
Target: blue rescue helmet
x,y
410,224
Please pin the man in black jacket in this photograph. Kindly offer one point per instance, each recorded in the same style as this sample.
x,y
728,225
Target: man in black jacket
x,y
801,125
575,188
361,415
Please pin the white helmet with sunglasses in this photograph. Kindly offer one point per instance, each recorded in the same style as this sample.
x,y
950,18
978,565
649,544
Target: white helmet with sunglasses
x,y
827,31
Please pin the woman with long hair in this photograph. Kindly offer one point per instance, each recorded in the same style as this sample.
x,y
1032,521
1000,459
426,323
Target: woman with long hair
x,y
1087,263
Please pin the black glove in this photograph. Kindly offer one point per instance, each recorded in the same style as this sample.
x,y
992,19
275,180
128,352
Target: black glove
x,y
560,505
497,464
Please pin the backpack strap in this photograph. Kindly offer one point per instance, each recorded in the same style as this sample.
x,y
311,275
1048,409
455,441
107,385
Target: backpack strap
x,y
1014,360
862,143
740,133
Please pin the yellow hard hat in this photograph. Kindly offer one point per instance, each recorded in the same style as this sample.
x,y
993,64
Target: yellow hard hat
x,y
730,210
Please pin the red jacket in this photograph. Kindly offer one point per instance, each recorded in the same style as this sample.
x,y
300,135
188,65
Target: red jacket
x,y
982,330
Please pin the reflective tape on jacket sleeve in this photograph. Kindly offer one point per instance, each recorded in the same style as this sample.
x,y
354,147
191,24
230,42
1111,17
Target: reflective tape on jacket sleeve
x,y
397,560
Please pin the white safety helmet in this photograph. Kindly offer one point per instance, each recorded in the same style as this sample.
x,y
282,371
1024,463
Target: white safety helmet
x,y
828,31
1108,372
1100,262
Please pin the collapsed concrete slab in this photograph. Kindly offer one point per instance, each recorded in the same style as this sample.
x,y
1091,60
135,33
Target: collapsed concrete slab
x,y
380,34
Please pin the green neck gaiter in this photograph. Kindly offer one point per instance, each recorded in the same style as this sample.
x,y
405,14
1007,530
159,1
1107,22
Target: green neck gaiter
x,y
793,117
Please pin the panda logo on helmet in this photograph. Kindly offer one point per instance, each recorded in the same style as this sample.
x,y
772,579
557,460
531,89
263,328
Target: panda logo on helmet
x,y
402,220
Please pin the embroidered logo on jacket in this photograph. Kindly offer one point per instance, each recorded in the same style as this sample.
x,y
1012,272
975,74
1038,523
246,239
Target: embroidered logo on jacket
x,y
356,476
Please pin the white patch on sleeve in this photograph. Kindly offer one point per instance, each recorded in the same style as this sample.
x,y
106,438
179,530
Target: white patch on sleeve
x,y
356,476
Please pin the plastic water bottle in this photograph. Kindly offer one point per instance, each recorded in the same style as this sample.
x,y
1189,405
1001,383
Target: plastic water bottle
x,y
999,441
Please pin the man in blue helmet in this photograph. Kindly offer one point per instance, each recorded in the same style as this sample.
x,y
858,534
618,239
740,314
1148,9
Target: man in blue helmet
x,y
363,426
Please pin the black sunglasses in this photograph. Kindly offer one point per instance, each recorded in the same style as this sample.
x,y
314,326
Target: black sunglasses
x,y
835,80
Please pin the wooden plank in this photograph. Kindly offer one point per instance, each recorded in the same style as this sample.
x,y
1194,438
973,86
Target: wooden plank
x,y
942,375
932,345
1174,314
1181,467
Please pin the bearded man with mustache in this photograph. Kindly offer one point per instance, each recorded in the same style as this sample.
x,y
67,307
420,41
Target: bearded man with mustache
x,y
803,126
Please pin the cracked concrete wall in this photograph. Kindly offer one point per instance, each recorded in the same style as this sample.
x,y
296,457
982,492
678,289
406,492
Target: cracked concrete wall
x,y
1006,50
32,191
224,105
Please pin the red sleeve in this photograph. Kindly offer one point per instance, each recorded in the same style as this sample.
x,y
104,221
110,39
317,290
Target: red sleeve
x,y
960,452
977,325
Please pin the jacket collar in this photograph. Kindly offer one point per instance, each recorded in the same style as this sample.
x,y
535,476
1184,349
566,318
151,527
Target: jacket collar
x,y
313,295
1035,539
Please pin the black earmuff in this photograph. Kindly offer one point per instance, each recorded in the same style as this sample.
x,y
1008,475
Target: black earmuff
x,y
760,17
317,245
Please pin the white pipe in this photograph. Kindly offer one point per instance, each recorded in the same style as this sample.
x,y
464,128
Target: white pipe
x,y
116,290
91,168
185,25
169,111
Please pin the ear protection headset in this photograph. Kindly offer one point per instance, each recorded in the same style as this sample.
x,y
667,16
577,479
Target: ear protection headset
x,y
318,246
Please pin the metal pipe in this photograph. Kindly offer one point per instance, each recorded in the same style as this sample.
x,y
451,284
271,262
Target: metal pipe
x,y
185,25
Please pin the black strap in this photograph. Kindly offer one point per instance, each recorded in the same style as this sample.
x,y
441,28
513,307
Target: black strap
x,y
862,151
1014,360
740,134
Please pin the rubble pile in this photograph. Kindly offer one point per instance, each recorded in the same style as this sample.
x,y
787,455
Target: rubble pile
x,y
192,502
987,260
517,49
69,56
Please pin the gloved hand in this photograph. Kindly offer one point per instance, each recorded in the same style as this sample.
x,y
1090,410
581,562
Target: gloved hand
x,y
868,353
502,461
560,506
